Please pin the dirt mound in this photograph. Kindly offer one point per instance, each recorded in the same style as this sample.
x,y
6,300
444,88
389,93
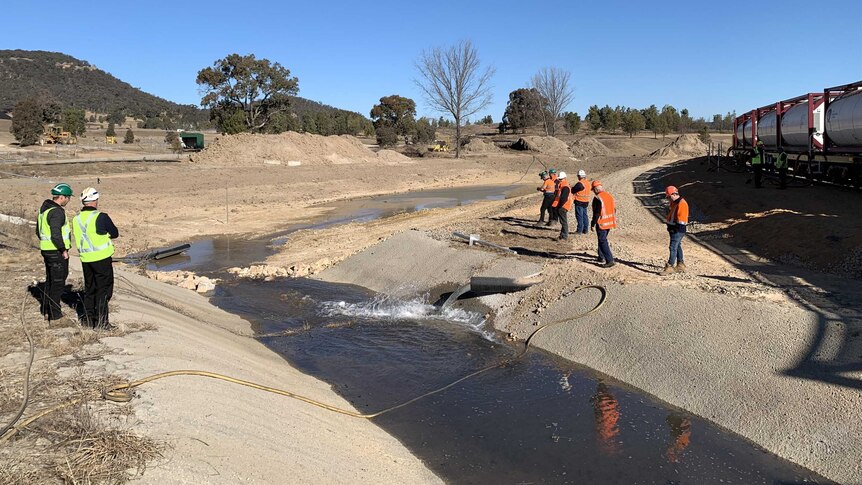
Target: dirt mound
x,y
288,149
683,146
480,146
542,144
589,147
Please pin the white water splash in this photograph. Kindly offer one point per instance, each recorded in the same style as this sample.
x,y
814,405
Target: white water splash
x,y
387,308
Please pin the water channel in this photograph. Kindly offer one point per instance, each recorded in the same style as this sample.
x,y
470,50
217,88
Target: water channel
x,y
540,419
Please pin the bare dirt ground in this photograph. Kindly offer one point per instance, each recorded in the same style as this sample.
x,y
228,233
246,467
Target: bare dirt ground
x,y
732,257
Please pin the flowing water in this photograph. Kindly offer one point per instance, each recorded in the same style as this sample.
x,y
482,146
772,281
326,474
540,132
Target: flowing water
x,y
538,419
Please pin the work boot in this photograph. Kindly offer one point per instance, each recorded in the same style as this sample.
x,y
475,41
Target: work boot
x,y
680,267
668,269
610,264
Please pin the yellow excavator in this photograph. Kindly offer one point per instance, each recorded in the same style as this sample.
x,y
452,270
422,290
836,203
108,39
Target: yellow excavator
x,y
56,135
440,146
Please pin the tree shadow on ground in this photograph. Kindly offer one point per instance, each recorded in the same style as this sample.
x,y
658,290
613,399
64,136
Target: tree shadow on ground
x,y
836,349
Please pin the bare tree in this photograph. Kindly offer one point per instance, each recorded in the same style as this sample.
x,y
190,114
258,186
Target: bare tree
x,y
553,84
453,82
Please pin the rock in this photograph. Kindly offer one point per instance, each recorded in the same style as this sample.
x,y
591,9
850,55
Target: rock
x,y
189,283
205,284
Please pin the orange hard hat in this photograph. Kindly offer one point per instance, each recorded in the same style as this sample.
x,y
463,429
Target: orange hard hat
x,y
596,183
670,190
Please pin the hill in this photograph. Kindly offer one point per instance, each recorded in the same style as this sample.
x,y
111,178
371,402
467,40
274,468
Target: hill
x,y
74,82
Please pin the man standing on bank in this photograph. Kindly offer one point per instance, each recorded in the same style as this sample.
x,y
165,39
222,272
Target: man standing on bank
x,y
547,189
581,193
677,219
604,219
93,233
52,228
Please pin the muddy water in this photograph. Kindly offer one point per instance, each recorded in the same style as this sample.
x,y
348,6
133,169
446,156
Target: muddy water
x,y
540,419
223,252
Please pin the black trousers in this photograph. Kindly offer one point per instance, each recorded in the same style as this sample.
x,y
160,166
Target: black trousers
x,y
547,200
758,175
782,178
56,271
98,290
564,222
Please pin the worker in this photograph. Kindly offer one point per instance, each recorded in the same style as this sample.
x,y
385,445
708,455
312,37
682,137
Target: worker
x,y
604,219
581,192
757,165
547,190
677,219
781,166
556,180
52,228
564,205
94,231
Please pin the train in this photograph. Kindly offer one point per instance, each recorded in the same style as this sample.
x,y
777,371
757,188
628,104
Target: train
x,y
820,132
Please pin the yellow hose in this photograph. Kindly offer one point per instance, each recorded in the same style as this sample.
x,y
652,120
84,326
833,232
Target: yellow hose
x,y
122,392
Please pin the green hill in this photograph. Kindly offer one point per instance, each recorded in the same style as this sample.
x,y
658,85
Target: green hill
x,y
73,82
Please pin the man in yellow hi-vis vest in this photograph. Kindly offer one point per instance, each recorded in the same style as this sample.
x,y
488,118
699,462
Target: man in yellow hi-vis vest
x,y
52,228
93,233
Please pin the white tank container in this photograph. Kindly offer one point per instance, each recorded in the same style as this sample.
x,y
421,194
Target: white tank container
x,y
767,130
794,125
746,133
844,120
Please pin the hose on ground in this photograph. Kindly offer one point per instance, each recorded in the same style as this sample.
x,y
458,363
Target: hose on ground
x,y
27,369
123,392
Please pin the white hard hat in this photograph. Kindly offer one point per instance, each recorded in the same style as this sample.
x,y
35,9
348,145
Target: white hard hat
x,y
561,175
581,173
89,195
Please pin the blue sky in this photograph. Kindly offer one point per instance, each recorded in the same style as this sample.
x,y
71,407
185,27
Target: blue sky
x,y
710,58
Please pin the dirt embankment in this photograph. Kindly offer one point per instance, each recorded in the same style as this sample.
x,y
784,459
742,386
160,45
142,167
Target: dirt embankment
x,y
685,146
589,147
291,148
547,145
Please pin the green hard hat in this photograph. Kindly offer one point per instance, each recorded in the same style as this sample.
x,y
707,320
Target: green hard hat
x,y
553,170
62,189
542,174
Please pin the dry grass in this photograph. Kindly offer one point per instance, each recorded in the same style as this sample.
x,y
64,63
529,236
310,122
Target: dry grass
x,y
90,442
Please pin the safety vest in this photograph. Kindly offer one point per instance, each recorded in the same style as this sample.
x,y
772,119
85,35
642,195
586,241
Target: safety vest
x,y
556,192
548,186
607,217
91,246
568,204
756,160
45,243
583,195
678,212
782,161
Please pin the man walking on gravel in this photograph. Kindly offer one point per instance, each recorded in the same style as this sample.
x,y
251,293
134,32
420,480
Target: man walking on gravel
x,y
52,228
604,219
677,219
93,233
564,205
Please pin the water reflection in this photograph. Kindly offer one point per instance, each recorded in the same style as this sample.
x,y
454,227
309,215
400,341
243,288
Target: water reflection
x,y
680,434
606,410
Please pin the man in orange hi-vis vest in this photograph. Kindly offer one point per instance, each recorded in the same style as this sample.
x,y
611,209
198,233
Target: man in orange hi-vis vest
x,y
677,220
604,219
547,189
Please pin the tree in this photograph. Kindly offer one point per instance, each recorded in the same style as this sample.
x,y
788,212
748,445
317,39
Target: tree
x,y
651,119
27,122
610,119
552,83
487,120
633,122
685,121
111,131
130,136
703,134
671,118
257,89
524,109
594,118
73,121
396,112
117,117
572,122
662,126
454,82
425,131
386,136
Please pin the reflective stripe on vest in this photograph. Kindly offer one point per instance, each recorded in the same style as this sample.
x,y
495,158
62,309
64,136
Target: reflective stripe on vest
x,y
583,195
91,245
607,217
45,243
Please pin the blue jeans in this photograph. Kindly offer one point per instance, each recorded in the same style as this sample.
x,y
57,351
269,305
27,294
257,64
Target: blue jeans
x,y
583,222
675,248
604,249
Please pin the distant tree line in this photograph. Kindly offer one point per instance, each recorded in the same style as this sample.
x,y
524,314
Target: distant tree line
x,y
661,122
